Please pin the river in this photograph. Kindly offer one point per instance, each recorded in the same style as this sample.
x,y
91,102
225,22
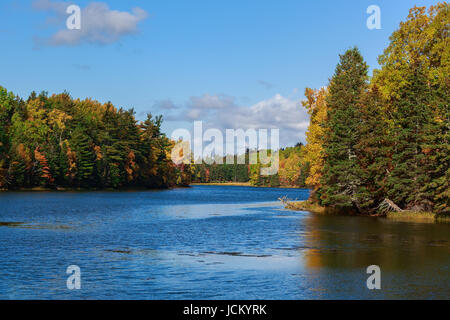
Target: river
x,y
210,242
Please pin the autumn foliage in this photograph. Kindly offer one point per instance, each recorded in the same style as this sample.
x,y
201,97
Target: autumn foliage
x,y
58,141
386,138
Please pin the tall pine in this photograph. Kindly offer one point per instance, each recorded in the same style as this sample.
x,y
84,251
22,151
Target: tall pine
x,y
342,177
413,133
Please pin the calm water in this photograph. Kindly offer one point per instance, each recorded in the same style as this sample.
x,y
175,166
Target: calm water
x,y
210,242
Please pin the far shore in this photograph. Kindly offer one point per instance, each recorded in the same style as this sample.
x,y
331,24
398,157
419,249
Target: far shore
x,y
240,184
72,189
46,189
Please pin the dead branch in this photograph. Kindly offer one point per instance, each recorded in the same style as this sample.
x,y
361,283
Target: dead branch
x,y
388,206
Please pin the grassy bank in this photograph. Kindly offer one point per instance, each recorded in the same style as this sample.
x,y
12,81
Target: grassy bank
x,y
242,184
304,206
398,216
417,216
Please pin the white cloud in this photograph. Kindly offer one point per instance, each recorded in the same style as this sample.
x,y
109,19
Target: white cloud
x,y
99,24
58,6
166,104
222,112
276,112
193,114
208,101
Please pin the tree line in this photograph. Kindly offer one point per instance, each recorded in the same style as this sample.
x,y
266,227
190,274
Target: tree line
x,y
292,170
59,141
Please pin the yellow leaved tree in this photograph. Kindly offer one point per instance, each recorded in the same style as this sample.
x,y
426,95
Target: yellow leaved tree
x,y
313,152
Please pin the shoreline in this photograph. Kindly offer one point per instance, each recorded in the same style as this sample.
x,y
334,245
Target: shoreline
x,y
240,184
70,189
405,216
63,189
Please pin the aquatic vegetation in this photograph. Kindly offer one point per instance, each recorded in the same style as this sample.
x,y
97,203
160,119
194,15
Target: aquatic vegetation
x,y
10,224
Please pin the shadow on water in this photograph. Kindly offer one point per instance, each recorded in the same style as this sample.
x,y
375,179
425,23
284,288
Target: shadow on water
x,y
414,258
354,242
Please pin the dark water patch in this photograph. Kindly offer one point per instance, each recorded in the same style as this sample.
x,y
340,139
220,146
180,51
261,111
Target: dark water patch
x,y
25,225
189,254
10,224
47,227
238,254
125,251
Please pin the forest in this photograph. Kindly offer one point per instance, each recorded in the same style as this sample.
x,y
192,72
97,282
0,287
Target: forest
x,y
58,142
292,170
385,139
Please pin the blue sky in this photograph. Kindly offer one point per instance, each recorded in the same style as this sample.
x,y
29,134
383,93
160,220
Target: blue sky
x,y
223,62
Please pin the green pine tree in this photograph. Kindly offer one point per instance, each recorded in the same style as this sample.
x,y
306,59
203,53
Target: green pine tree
x,y
85,158
414,128
343,178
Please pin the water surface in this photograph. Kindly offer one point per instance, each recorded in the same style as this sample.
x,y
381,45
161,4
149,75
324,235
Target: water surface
x,y
210,242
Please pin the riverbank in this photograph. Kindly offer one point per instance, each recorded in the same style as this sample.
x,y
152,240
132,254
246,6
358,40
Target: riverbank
x,y
417,216
398,216
223,184
240,184
71,189
303,206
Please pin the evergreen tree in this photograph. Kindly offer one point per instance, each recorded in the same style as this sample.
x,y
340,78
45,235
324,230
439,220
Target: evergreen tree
x,y
342,175
82,143
7,105
413,128
374,150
